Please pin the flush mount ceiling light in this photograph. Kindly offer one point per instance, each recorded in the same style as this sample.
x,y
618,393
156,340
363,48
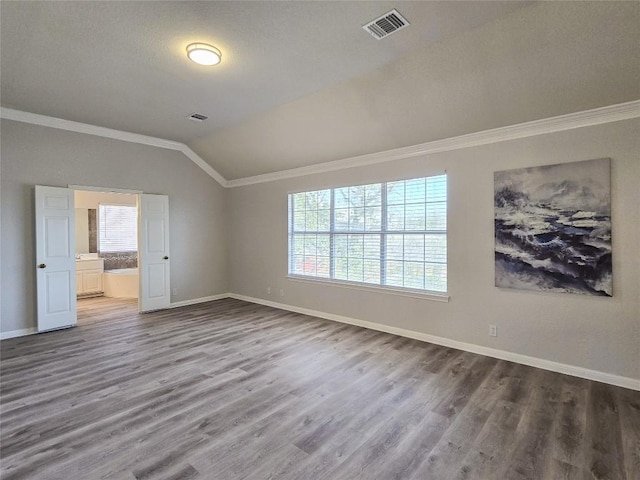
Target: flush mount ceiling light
x,y
204,54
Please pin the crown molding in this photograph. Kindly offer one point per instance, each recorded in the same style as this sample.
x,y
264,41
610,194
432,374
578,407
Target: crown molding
x,y
61,124
587,118
596,116
197,159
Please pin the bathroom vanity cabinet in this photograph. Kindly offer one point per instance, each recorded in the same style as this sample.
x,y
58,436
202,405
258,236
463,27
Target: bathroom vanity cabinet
x,y
89,276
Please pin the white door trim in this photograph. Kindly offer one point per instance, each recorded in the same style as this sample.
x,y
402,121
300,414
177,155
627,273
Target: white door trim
x,y
103,189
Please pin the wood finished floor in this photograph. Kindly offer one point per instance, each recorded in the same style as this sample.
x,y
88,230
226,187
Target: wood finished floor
x,y
231,390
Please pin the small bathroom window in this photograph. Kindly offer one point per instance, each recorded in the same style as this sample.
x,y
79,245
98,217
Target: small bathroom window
x,y
117,228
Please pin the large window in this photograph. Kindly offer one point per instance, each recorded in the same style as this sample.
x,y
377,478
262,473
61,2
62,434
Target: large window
x,y
117,228
392,234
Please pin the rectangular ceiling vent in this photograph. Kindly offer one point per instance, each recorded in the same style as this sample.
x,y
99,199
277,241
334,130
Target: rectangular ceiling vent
x,y
386,24
197,117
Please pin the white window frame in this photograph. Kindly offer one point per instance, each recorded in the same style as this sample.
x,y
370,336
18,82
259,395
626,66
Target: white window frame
x,y
384,233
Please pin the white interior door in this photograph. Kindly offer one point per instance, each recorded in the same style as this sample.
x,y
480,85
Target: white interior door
x,y
153,249
55,258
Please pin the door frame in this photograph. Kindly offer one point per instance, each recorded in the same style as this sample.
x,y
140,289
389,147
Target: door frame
x,y
141,286
138,194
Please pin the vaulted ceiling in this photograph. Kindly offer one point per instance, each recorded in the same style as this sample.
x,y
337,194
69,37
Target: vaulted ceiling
x,y
302,83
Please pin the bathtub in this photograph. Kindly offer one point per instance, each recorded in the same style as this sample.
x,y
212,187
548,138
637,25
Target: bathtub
x,y
122,283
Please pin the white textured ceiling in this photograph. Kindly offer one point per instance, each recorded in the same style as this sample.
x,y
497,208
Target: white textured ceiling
x,y
300,82
122,65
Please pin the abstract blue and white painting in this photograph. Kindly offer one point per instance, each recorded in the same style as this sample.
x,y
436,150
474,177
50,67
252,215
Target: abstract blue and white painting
x,y
553,228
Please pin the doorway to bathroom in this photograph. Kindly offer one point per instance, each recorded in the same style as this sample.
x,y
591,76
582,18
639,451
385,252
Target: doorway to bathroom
x,y
59,281
106,247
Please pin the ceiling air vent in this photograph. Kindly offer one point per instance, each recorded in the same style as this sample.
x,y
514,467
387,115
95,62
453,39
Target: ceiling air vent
x,y
197,117
386,24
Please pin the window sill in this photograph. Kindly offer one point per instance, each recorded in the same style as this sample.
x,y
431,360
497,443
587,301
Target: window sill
x,y
422,295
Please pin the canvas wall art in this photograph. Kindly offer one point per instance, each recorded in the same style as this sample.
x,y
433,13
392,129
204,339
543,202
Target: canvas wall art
x,y
553,228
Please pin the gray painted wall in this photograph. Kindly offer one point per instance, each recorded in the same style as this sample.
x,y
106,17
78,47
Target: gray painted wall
x,y
597,333
38,155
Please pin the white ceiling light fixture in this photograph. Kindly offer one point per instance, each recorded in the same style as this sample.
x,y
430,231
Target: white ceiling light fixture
x,y
204,54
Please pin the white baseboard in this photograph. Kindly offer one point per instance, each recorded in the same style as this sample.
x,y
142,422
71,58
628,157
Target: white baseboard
x,y
194,301
626,382
18,333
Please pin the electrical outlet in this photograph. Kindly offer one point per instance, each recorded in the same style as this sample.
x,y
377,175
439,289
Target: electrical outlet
x,y
268,290
493,330
281,292
174,291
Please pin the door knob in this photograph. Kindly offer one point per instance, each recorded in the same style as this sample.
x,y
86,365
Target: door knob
x,y
42,265
165,257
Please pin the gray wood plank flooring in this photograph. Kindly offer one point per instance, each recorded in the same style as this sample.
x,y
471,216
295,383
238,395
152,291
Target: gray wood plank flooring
x,y
231,390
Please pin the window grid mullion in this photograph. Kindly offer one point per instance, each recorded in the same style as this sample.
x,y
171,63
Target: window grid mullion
x,y
332,223
383,234
424,253
404,237
377,232
291,234
305,236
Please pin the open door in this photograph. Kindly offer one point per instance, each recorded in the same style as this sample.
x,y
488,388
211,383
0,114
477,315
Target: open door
x,y
55,258
153,249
